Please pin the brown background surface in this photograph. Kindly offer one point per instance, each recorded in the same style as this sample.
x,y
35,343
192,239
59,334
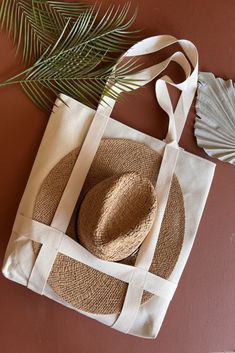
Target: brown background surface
x,y
201,317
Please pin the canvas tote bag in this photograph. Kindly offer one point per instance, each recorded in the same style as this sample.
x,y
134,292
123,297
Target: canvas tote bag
x,y
49,267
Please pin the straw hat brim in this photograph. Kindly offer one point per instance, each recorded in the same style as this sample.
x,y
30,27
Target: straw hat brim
x,y
81,286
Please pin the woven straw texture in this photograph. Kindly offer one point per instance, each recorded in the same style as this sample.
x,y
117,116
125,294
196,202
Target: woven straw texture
x,y
116,215
83,287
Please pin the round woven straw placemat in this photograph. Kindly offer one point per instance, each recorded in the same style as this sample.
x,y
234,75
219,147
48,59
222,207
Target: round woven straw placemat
x,y
81,286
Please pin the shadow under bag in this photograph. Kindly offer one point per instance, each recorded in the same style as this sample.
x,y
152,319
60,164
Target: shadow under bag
x,y
109,215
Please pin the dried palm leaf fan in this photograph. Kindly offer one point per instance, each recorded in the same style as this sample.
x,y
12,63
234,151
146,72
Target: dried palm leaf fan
x,y
215,121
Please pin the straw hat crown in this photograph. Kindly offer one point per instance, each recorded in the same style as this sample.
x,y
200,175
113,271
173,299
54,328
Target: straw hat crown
x,y
116,215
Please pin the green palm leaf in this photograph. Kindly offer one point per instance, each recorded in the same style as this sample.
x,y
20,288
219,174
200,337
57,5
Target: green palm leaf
x,y
52,16
38,24
70,42
75,71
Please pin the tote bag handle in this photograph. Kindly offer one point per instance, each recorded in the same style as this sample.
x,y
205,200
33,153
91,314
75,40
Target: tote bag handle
x,y
186,60
177,118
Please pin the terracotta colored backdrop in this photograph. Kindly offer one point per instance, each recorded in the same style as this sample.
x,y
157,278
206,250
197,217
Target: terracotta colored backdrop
x,y
201,317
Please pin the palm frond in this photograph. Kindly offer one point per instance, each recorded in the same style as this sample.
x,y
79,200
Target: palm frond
x,y
110,31
69,51
38,24
18,18
68,10
74,72
52,16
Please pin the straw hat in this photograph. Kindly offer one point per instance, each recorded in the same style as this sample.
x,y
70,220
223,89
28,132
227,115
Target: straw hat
x,y
114,214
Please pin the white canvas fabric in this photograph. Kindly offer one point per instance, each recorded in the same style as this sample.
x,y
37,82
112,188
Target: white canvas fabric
x,y
74,125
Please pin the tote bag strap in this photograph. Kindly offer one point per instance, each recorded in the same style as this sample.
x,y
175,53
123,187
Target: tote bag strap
x,y
177,118
188,87
189,63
